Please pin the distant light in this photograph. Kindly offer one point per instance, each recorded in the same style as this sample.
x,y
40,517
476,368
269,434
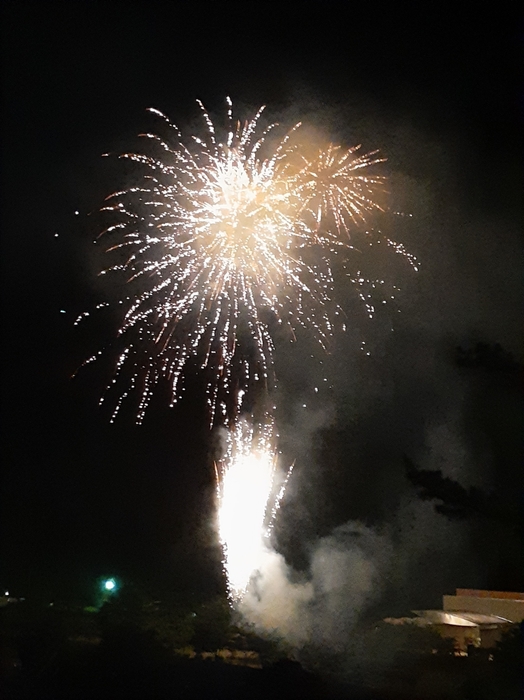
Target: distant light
x,y
62,311
7,593
77,213
56,235
110,584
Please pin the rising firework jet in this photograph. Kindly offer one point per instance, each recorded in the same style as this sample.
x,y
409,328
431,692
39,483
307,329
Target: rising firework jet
x,y
222,241
248,500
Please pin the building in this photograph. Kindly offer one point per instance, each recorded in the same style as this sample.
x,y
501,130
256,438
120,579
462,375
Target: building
x,y
500,603
471,617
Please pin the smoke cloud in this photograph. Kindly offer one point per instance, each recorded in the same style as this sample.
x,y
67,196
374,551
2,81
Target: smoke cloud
x,y
320,607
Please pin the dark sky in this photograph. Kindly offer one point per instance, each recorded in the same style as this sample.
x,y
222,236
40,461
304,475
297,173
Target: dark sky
x,y
440,95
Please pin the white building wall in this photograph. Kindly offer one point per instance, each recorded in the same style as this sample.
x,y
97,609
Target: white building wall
x,y
503,607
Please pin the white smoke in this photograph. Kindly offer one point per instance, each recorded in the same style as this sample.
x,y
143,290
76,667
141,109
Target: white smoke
x,y
344,578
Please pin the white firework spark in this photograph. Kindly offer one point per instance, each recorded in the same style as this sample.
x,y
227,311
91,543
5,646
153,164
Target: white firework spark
x,y
222,241
248,500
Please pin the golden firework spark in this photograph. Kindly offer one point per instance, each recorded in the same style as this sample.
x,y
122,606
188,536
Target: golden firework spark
x,y
223,240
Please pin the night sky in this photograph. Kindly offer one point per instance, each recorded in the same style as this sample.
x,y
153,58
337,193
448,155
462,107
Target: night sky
x,y
441,97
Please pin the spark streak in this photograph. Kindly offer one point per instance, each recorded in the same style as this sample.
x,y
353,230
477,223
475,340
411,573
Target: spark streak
x,y
221,241
248,500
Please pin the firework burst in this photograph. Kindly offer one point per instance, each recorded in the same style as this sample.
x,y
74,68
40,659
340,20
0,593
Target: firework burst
x,y
222,241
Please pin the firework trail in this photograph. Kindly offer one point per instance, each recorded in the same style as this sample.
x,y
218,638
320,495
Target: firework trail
x,y
222,240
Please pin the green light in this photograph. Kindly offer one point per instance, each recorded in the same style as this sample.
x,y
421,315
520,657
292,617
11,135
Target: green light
x,y
106,590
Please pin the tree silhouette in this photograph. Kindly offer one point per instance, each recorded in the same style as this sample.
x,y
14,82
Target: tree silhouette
x,y
456,502
491,358
491,412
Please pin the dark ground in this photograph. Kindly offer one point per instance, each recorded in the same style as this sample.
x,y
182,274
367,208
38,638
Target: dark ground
x,y
59,653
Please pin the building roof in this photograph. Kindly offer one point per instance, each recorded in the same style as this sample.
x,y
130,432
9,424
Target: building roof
x,y
481,619
460,618
439,617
